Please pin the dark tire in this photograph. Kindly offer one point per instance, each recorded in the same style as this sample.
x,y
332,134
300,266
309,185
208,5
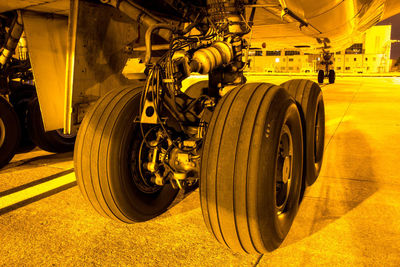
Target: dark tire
x,y
20,98
52,141
10,132
309,97
321,76
243,197
332,76
106,161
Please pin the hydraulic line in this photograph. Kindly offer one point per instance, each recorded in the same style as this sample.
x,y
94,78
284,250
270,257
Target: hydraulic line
x,y
227,15
149,32
14,34
139,14
23,47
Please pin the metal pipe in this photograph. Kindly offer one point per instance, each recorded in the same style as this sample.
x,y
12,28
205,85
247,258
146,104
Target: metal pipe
x,y
23,47
14,34
189,28
287,11
139,14
153,47
147,37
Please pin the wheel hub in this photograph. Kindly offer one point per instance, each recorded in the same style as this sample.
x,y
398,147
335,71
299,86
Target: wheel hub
x,y
2,132
286,170
284,167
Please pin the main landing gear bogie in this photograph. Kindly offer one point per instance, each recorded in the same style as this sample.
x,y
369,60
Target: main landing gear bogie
x,y
262,147
245,144
331,75
251,125
327,71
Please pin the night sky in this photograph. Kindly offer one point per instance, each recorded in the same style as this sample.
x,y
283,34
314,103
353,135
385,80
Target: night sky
x,y
395,22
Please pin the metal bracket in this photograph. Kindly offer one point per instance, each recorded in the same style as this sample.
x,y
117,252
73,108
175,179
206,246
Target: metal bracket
x,y
149,113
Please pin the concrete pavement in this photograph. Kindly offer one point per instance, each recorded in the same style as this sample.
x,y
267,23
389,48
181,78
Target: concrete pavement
x,y
350,216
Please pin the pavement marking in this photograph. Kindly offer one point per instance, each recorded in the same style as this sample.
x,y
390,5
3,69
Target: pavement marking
x,y
38,191
344,114
258,260
338,120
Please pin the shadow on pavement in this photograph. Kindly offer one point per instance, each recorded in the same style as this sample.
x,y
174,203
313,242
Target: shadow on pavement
x,y
179,205
37,197
347,181
45,159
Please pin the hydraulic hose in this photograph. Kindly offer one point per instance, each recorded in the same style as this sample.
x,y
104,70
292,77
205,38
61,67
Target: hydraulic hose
x,y
148,35
14,34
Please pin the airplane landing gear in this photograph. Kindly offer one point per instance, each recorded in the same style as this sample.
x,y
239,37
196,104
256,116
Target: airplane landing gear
x,y
327,73
243,143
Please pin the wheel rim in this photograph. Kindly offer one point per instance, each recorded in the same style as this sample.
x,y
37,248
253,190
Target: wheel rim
x,y
61,133
318,133
2,132
284,169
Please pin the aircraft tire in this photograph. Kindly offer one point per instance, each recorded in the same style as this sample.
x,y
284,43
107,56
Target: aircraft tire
x,y
332,76
10,132
20,98
321,76
106,161
51,141
253,130
308,96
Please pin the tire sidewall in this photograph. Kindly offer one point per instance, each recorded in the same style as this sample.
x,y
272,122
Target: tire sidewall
x,y
318,161
276,228
125,193
309,122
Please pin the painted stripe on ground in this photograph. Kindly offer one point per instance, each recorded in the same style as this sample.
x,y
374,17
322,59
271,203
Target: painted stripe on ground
x,y
36,192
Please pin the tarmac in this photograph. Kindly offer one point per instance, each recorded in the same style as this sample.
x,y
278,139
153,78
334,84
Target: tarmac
x,y
349,217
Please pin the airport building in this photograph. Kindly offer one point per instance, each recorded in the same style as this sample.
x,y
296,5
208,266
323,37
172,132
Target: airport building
x,y
370,53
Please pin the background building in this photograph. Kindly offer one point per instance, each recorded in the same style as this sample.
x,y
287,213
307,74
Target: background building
x,y
369,54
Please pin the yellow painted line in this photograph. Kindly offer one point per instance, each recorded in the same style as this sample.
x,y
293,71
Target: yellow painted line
x,y
36,190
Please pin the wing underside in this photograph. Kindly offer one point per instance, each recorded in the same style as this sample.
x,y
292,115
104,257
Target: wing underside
x,y
335,21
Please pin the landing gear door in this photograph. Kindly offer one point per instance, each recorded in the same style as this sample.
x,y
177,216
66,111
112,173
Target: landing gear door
x,y
97,39
47,43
